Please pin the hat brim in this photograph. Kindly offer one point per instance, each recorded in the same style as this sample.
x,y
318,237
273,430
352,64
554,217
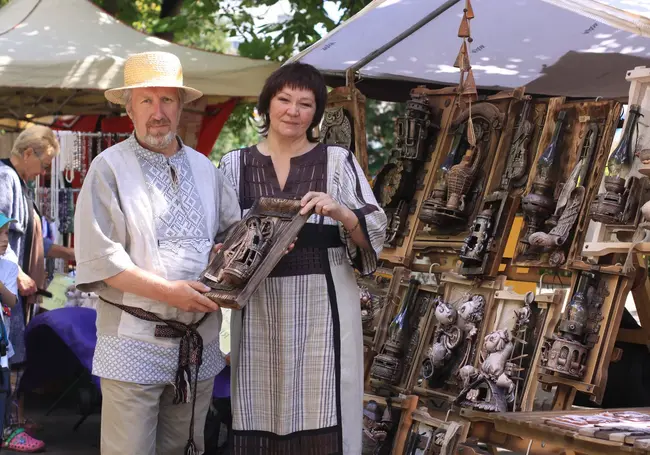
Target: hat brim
x,y
115,95
6,222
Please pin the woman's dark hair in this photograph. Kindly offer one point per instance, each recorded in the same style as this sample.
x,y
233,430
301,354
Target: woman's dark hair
x,y
296,76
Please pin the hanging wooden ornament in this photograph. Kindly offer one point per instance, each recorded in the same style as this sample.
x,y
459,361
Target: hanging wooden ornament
x,y
469,10
469,87
463,30
462,59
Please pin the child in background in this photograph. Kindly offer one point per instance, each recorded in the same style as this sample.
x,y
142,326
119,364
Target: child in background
x,y
8,293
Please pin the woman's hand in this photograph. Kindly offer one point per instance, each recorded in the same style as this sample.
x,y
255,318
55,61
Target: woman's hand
x,y
26,286
324,205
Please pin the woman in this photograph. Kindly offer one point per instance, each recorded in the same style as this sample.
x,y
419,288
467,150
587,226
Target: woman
x,y
31,155
297,354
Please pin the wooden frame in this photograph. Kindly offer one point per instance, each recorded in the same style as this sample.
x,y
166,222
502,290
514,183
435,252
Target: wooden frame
x,y
425,427
429,240
547,309
407,404
455,287
579,115
600,355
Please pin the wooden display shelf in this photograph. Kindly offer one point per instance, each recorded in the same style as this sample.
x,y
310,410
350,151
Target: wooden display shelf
x,y
598,249
528,432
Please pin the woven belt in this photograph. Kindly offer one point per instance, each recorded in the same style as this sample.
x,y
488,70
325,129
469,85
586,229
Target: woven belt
x,y
190,352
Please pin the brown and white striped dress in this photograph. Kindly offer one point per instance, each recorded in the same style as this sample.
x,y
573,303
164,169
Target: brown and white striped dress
x,y
297,348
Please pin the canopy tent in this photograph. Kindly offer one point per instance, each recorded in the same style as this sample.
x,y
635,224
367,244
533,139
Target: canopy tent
x,y
58,56
575,48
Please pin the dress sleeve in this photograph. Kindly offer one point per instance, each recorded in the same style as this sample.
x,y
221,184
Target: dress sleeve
x,y
100,229
353,191
229,210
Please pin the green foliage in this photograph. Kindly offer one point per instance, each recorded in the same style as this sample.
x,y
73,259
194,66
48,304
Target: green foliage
x,y
380,127
238,132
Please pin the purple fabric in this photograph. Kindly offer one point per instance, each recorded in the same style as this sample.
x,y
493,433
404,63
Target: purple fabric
x,y
61,341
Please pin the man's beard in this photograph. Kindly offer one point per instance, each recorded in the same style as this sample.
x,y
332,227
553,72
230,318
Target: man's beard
x,y
159,141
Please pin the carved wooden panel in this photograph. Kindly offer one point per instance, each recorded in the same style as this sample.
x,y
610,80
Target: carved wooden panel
x,y
604,305
583,122
460,295
442,106
543,311
252,250
346,106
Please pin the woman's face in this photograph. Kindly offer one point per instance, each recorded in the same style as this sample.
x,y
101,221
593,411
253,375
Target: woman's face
x,y
291,112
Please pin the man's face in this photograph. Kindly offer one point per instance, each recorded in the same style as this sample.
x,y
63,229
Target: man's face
x,y
35,165
155,113
4,238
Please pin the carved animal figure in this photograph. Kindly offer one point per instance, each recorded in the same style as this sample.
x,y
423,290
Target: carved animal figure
x,y
499,347
446,338
470,314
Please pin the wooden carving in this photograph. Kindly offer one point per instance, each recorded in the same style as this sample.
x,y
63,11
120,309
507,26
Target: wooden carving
x,y
252,250
451,202
395,184
336,128
566,351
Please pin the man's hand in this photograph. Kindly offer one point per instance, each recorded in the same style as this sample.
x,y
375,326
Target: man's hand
x,y
188,296
26,286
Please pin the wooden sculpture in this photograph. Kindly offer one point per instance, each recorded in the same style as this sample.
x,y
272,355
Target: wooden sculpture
x,y
252,250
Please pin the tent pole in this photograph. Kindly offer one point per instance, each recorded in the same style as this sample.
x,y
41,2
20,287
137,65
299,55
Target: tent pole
x,y
401,37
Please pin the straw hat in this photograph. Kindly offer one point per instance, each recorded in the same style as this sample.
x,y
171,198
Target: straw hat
x,y
152,69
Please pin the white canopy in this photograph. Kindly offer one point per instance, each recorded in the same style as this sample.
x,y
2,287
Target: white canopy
x,y
73,44
579,48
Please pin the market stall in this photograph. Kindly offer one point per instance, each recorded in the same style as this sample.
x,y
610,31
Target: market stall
x,y
520,164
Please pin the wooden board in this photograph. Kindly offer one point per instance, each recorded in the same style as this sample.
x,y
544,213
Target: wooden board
x,y
578,116
443,104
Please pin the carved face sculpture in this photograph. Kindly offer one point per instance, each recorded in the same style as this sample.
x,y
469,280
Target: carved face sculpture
x,y
472,310
445,313
496,341
246,255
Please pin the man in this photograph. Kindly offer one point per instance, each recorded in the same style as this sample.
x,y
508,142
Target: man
x,y
148,215
31,155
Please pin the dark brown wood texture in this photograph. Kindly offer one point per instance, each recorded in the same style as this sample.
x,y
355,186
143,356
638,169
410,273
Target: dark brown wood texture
x,y
286,231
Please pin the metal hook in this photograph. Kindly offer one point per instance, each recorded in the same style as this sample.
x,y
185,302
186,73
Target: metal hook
x,y
530,444
541,283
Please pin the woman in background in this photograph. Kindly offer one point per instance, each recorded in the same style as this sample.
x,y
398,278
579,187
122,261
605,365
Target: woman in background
x,y
297,347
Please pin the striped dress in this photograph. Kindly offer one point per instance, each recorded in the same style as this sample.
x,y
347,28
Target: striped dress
x,y
297,347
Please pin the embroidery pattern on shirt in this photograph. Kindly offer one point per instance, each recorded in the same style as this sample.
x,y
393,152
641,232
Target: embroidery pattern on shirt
x,y
181,222
129,360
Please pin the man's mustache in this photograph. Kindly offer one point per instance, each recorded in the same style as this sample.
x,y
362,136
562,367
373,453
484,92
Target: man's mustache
x,y
159,123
